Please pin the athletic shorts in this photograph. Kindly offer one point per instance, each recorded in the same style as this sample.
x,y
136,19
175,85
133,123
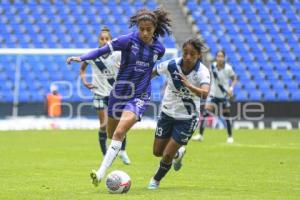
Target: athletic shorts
x,y
180,130
219,102
137,105
100,102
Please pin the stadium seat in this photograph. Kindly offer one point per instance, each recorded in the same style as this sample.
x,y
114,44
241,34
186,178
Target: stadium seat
x,y
261,40
253,19
255,95
47,24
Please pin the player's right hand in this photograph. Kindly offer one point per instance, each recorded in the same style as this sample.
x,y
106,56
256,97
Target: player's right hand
x,y
73,58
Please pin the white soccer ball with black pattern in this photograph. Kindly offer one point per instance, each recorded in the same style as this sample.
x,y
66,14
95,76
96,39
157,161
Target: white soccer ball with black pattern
x,y
118,182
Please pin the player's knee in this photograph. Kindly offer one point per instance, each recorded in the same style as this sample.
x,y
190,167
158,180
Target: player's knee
x,y
118,135
109,136
168,158
102,128
157,153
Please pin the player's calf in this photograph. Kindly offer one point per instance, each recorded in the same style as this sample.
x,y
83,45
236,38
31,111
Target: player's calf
x,y
177,161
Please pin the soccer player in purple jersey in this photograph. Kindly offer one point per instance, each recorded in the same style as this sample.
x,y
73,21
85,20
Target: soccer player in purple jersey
x,y
104,72
132,90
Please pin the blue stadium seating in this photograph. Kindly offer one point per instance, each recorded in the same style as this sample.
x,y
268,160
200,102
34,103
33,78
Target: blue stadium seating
x,y
261,39
59,24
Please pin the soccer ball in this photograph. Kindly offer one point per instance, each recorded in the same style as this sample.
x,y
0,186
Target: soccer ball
x,y
118,182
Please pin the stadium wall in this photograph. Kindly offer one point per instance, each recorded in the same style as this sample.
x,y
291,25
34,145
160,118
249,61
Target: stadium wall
x,y
259,114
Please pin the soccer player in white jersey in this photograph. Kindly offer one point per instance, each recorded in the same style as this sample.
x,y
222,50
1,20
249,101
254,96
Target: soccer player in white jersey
x,y
223,82
188,80
104,71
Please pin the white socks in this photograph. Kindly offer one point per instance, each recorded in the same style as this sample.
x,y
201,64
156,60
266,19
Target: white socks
x,y
109,157
121,152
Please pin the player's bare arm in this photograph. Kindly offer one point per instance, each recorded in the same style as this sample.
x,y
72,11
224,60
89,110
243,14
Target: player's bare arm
x,y
83,67
233,83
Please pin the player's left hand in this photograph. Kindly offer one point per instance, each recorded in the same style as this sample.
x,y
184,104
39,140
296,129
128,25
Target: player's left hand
x,y
73,58
184,80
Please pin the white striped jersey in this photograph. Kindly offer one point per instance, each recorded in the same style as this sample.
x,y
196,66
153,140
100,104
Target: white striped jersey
x,y
220,78
104,72
178,101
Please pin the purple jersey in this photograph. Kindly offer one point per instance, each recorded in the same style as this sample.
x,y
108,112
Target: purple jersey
x,y
137,62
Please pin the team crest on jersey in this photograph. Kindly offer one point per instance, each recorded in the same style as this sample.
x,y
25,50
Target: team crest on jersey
x,y
134,48
195,77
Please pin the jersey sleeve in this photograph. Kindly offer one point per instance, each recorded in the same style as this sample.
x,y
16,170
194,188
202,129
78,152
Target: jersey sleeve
x,y
162,68
231,73
95,53
204,76
87,61
161,53
119,43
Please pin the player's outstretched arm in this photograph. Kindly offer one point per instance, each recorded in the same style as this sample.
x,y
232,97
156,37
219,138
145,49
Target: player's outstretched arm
x,y
90,55
95,53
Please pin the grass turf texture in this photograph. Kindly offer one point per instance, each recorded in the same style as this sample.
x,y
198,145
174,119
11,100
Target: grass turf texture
x,y
56,165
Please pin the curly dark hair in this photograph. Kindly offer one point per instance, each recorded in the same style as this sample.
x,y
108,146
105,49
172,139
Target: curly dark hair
x,y
196,43
159,17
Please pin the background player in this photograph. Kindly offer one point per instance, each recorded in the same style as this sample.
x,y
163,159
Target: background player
x,y
104,72
131,93
187,81
220,94
53,102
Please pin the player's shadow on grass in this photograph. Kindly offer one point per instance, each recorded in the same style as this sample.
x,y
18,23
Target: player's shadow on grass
x,y
167,189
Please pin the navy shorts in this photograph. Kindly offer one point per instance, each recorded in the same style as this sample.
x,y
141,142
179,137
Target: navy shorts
x,y
180,130
100,102
219,102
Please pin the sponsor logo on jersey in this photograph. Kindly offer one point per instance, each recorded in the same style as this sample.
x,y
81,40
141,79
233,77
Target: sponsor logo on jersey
x,y
142,64
183,93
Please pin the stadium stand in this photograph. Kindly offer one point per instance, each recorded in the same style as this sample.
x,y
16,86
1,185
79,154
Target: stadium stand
x,y
261,39
63,24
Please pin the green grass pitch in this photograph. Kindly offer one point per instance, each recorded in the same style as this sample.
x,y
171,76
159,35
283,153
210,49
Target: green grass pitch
x,y
261,164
